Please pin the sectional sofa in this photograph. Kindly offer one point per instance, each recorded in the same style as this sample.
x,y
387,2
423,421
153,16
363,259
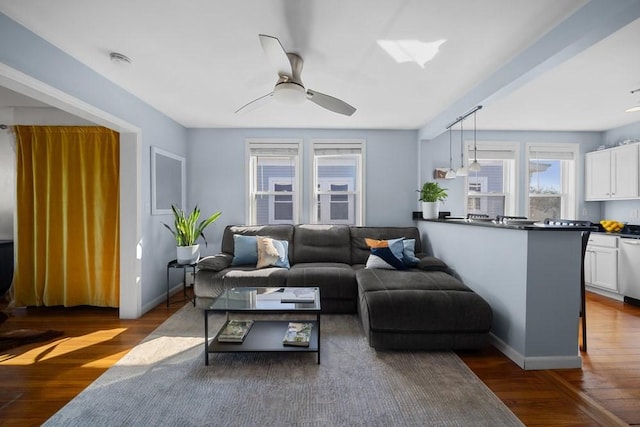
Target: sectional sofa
x,y
405,299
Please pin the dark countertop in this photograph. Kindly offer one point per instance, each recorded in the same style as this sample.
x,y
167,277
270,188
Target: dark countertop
x,y
511,225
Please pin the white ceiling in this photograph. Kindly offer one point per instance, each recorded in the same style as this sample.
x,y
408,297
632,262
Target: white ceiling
x,y
200,60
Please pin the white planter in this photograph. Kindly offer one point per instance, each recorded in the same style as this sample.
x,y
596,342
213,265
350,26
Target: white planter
x,y
188,254
430,210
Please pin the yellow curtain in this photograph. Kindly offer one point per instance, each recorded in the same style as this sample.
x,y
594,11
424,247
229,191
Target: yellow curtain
x,y
68,222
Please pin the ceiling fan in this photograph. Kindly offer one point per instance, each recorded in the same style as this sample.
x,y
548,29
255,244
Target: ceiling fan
x,y
289,88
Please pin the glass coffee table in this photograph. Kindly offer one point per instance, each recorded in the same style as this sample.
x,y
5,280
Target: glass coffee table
x,y
265,335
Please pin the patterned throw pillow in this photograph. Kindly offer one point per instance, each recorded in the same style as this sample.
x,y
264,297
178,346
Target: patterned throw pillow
x,y
272,253
386,254
409,253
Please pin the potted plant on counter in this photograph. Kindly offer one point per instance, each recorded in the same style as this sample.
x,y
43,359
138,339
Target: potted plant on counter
x,y
187,231
431,195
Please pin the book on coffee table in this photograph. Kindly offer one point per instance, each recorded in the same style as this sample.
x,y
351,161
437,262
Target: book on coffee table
x,y
235,331
298,334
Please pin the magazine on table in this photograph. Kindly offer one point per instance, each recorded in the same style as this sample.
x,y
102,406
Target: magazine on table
x,y
288,295
299,295
298,334
235,331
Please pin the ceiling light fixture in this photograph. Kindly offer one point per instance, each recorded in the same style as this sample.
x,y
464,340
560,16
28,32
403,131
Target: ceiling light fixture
x,y
120,59
462,171
475,166
636,107
411,50
450,173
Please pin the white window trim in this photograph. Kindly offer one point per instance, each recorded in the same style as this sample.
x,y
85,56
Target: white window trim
x,y
360,190
569,178
512,194
272,143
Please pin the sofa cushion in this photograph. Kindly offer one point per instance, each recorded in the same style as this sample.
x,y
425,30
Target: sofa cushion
x,y
359,248
250,276
272,252
335,280
321,243
420,301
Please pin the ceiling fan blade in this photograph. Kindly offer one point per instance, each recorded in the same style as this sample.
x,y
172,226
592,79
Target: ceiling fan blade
x,y
276,55
330,103
256,103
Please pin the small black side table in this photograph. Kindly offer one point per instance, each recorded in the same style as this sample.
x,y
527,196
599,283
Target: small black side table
x,y
184,267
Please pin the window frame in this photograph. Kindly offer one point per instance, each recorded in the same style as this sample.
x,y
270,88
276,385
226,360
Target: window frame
x,y
510,175
568,175
358,193
275,144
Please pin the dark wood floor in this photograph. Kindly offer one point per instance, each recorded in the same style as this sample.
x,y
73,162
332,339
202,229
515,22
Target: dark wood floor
x,y
38,379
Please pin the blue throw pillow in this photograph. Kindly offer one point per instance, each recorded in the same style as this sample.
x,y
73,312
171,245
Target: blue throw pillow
x,y
245,250
409,253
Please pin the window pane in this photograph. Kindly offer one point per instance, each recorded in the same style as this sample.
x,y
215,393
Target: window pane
x,y
544,177
545,207
545,189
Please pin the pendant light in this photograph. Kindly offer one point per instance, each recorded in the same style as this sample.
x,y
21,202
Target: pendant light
x,y
462,171
475,166
450,173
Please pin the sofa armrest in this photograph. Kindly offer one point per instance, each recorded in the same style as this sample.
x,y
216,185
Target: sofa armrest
x,y
216,262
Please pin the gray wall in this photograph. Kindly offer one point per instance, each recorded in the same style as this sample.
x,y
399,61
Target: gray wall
x,y
7,186
217,177
435,153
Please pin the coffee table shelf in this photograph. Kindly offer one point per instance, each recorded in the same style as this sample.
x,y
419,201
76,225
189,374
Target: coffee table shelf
x,y
264,335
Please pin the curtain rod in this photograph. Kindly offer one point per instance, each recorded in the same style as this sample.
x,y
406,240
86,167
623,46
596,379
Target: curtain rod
x,y
464,116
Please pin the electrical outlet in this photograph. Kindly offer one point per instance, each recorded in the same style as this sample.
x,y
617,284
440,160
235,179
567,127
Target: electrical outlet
x,y
585,212
634,213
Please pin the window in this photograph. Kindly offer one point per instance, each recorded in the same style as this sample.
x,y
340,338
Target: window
x,y
337,183
273,182
552,181
493,190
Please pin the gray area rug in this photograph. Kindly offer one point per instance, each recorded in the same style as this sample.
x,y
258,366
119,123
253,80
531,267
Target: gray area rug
x,y
164,381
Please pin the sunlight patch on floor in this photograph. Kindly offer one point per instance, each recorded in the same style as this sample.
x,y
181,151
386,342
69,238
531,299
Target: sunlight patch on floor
x,y
56,348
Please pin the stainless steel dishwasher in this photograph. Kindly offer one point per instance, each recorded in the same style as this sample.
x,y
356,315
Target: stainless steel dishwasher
x,y
629,264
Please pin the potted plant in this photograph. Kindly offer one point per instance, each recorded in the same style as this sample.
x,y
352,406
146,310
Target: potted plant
x,y
431,195
187,231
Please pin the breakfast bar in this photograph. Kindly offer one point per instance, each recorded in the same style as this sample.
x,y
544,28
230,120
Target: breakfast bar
x,y
530,275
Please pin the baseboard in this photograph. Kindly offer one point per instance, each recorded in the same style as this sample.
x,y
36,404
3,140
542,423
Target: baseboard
x,y
536,362
604,293
161,299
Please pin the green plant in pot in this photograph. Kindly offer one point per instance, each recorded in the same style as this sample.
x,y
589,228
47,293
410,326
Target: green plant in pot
x,y
431,195
187,230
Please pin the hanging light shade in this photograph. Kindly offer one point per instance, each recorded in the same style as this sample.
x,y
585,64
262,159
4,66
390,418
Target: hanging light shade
x,y
450,173
462,171
475,166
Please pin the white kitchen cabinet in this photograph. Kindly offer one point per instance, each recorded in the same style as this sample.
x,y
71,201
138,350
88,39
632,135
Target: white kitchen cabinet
x,y
601,262
612,173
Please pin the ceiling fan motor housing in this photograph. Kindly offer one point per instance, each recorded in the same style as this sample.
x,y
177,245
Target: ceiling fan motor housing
x,y
290,93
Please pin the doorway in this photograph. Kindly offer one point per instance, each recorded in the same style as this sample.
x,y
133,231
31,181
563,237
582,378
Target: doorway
x,y
130,177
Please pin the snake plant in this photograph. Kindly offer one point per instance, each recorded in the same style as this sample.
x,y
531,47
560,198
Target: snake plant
x,y
187,229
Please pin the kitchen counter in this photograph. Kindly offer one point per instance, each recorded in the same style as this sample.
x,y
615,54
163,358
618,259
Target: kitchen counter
x,y
530,276
510,225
